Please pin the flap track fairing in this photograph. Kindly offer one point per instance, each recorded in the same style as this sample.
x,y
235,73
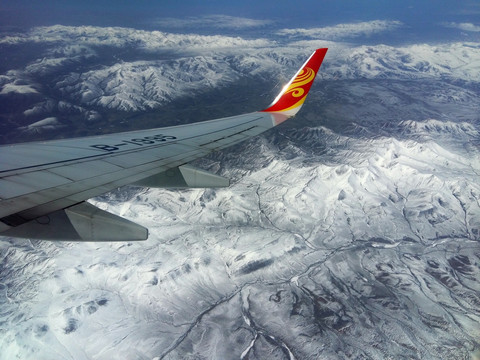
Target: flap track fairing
x,y
184,176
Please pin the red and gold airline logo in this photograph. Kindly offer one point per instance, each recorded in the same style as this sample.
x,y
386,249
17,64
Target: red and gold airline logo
x,y
295,93
305,77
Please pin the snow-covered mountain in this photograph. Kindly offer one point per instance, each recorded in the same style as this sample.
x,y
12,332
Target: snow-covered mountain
x,y
142,85
351,231
130,83
367,239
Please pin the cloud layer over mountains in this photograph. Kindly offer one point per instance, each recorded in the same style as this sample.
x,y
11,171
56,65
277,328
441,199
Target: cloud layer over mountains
x,y
211,61
344,30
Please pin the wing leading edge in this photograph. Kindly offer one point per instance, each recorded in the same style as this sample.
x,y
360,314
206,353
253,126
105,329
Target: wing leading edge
x,y
44,185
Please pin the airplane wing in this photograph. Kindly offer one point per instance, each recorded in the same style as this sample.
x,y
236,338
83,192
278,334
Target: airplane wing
x,y
44,185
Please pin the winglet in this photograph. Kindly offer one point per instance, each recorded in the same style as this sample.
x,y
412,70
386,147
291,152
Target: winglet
x,y
292,96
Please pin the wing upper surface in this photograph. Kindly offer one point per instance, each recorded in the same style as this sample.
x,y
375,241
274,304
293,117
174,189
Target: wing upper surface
x,y
61,171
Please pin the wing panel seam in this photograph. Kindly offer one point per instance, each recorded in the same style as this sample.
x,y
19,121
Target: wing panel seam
x,y
124,152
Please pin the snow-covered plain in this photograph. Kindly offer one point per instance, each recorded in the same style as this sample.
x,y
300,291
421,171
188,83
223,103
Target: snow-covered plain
x,y
351,232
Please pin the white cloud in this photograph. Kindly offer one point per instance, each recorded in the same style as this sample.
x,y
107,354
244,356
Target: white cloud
x,y
120,37
343,30
212,21
463,26
50,121
18,89
47,124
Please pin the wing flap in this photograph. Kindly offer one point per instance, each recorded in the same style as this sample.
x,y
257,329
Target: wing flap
x,y
94,224
185,176
81,222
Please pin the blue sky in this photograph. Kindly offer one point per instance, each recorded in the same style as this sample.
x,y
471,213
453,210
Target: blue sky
x,y
23,12
423,20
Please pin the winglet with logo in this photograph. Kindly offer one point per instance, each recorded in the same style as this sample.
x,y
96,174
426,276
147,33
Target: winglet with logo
x,y
293,95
